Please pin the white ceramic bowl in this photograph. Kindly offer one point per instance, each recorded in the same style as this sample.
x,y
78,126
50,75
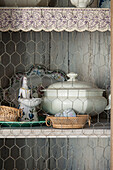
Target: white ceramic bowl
x,y
31,102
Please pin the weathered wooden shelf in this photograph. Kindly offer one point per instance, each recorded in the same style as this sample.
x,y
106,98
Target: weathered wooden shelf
x,y
44,132
57,19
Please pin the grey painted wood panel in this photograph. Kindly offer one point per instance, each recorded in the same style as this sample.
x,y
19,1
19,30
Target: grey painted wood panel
x,y
88,154
80,153
42,40
89,57
59,51
101,58
56,153
63,3
78,51
43,3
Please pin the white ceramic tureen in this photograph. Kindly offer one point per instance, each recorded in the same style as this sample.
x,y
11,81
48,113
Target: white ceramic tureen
x,y
81,3
80,96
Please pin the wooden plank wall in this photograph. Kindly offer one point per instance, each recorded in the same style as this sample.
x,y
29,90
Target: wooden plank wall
x,y
87,54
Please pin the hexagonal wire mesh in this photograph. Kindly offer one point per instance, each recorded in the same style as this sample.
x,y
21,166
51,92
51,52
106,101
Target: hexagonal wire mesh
x,y
42,55
43,3
88,55
52,154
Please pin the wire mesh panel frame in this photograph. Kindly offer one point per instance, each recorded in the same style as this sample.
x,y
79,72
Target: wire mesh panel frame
x,y
36,133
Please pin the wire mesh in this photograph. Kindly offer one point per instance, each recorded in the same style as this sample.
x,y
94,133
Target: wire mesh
x,y
46,58
50,56
88,55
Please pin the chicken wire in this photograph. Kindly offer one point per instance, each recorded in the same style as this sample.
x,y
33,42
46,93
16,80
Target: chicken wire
x,y
89,58
88,55
55,154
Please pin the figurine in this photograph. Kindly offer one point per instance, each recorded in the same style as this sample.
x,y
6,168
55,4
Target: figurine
x,y
26,103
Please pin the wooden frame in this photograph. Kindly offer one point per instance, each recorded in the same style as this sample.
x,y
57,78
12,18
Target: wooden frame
x,y
111,85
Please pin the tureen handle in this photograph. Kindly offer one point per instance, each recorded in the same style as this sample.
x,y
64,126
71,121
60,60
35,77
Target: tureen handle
x,y
72,76
108,107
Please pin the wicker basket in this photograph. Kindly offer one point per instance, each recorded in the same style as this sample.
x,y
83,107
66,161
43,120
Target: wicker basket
x,y
9,113
68,122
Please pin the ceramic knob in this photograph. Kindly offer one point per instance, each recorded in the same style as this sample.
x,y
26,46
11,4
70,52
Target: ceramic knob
x,y
72,76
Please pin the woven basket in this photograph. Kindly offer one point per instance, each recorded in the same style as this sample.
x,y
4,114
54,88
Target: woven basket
x,y
68,122
9,113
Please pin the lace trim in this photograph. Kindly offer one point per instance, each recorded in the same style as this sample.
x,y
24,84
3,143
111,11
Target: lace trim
x,y
57,19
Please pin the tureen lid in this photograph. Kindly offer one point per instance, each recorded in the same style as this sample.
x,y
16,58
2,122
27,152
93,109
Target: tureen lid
x,y
72,83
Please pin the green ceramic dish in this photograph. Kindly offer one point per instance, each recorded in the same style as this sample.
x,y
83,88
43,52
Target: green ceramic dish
x,y
22,124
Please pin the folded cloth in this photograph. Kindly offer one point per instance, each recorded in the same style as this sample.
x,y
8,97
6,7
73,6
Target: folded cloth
x,y
66,113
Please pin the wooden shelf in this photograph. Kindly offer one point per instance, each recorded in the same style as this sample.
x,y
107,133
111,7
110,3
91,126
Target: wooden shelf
x,y
45,132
